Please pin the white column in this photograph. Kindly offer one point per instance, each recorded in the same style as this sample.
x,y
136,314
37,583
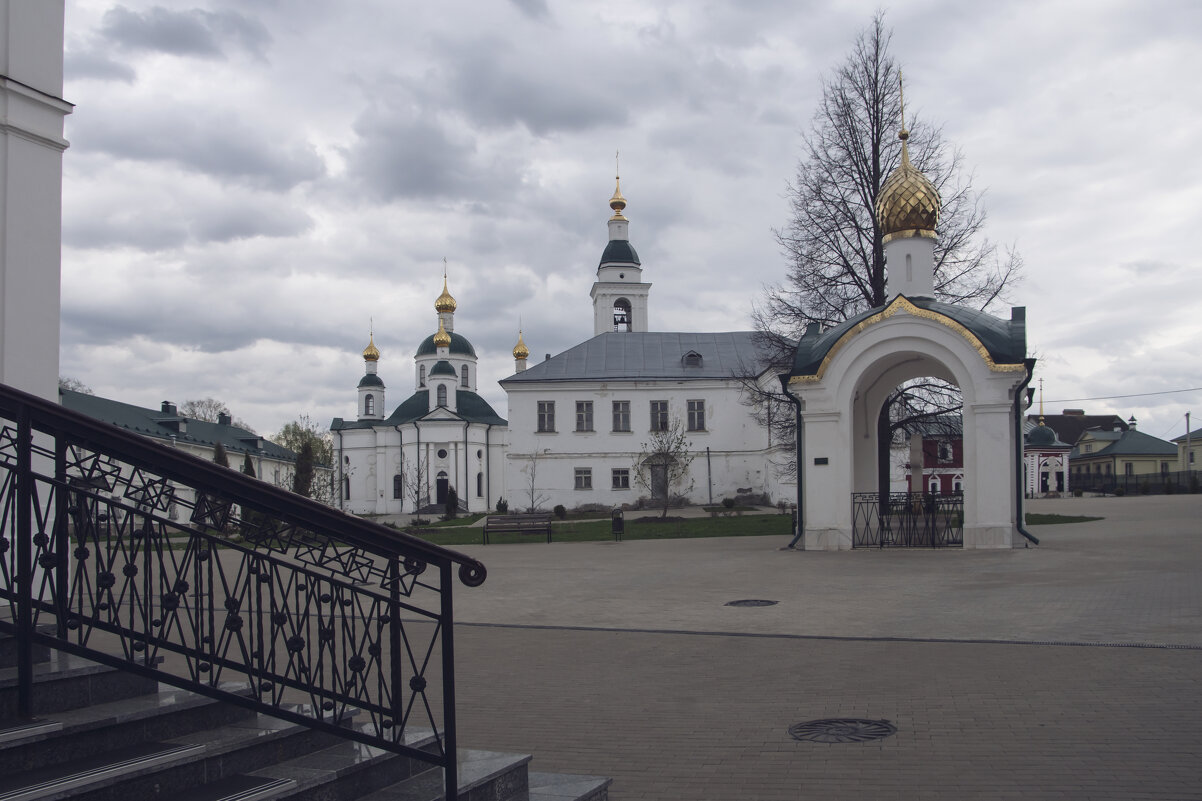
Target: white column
x,y
989,476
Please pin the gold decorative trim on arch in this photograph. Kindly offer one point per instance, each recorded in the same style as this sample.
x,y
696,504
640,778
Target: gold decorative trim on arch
x,y
902,304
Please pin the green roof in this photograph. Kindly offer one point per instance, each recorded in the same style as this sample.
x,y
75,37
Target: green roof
x,y
470,407
619,251
163,425
443,367
459,344
371,380
1129,443
1005,340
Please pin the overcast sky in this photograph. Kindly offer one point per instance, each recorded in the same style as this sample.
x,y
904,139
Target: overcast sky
x,y
248,184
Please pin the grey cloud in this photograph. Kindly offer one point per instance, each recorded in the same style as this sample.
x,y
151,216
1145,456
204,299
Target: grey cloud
x,y
191,138
403,154
501,85
181,222
183,33
535,9
83,64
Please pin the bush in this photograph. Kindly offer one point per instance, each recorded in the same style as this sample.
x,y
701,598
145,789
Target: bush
x,y
560,512
729,503
452,503
1119,492
1078,493
502,506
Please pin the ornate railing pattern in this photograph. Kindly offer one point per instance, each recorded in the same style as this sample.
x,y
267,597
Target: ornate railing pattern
x,y
133,554
907,520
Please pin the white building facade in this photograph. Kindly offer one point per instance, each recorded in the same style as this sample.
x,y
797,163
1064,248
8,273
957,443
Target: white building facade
x,y
31,158
578,421
442,437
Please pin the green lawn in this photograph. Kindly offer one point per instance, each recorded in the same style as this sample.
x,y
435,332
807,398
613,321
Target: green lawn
x,y
599,530
1034,519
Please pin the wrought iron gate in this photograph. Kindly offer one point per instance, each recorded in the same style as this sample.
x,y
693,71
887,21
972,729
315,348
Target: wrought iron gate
x,y
907,520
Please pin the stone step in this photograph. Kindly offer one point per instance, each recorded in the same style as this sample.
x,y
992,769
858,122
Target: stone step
x,y
69,682
62,737
161,769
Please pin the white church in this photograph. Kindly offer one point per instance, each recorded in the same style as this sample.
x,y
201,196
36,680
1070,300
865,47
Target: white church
x,y
577,421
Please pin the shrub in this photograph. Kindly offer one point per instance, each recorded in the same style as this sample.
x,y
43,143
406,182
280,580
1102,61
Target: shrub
x,y
1119,492
560,511
1078,493
729,503
502,506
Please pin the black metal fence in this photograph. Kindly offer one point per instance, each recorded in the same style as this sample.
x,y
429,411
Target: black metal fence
x,y
907,520
1181,481
135,555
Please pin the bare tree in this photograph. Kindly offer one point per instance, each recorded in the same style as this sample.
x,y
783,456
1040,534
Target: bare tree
x,y
531,470
74,384
209,410
833,241
415,475
663,464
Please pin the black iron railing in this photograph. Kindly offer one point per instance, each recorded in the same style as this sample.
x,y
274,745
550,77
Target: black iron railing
x,y
1174,482
907,520
130,553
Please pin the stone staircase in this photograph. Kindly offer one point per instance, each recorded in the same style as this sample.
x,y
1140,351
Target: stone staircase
x,y
105,735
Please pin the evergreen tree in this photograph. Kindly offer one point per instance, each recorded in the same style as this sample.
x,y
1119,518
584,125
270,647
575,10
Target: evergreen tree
x,y
248,466
220,457
302,480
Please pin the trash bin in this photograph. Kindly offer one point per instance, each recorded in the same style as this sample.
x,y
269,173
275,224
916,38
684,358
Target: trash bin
x,y
619,525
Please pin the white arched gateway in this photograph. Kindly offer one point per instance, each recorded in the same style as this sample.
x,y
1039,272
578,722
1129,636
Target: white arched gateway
x,y
843,377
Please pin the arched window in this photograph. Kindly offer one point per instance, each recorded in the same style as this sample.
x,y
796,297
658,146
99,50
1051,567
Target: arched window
x,y
622,315
442,394
479,485
397,486
369,404
463,370
421,376
346,488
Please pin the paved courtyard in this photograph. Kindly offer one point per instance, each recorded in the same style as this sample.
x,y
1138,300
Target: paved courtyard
x,y
1071,670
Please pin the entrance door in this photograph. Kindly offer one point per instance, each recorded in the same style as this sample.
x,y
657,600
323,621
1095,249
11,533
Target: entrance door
x,y
659,481
441,484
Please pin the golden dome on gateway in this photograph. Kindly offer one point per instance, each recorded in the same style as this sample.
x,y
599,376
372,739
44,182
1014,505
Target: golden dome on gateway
x,y
908,204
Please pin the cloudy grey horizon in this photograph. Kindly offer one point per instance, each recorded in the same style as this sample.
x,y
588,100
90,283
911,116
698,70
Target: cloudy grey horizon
x,y
250,187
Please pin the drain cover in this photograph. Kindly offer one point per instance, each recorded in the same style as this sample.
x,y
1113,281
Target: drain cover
x,y
752,602
841,730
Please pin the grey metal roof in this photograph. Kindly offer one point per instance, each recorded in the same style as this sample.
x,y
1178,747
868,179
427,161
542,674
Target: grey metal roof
x,y
619,251
614,356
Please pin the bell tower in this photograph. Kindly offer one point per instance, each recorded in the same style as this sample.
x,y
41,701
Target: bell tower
x,y
619,294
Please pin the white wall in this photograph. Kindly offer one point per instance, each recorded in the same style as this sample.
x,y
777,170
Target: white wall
x,y
31,147
738,447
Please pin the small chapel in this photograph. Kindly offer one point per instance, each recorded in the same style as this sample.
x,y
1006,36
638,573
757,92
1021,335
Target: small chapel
x,y
443,439
843,376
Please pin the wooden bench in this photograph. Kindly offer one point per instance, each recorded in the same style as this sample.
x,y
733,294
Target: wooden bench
x,y
535,523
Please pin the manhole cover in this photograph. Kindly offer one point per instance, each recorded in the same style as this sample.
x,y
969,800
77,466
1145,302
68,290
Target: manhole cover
x,y
841,730
752,602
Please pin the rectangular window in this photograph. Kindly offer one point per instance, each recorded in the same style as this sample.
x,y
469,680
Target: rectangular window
x,y
1088,448
659,415
584,415
584,478
621,478
546,415
621,415
696,415
1129,469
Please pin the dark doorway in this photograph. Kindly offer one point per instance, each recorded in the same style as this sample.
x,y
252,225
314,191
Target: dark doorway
x,y
659,481
441,484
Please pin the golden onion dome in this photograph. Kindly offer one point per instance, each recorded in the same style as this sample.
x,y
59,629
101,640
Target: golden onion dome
x,y
520,351
371,353
445,303
908,204
617,202
442,339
